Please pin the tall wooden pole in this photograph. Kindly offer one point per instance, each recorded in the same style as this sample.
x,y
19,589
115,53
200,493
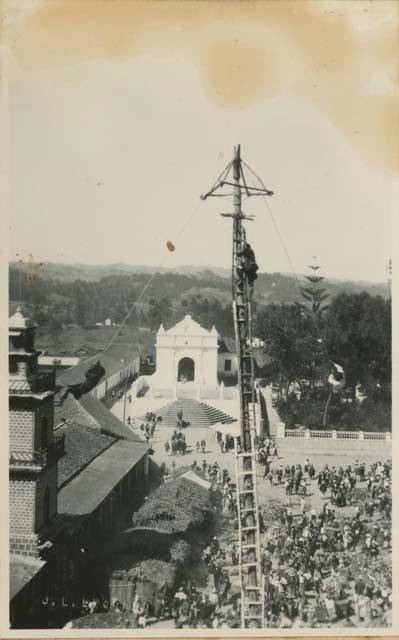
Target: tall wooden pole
x,y
242,320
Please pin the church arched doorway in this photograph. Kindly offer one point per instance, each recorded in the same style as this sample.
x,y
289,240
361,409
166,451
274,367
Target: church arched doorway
x,y
185,370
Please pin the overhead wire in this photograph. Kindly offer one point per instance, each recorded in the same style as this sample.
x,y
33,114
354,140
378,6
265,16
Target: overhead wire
x,y
150,280
285,249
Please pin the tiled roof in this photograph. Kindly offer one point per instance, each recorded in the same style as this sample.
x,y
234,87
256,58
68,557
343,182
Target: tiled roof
x,y
89,428
106,420
227,345
82,445
68,408
85,492
83,437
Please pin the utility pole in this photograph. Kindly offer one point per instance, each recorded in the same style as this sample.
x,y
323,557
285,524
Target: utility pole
x,y
252,592
126,381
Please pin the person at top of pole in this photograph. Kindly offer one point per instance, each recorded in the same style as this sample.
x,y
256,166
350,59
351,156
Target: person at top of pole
x,y
249,265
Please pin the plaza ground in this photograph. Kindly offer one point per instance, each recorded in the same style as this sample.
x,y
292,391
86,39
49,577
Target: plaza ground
x,y
288,454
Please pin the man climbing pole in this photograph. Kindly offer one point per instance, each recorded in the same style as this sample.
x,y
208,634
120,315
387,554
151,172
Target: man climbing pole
x,y
249,265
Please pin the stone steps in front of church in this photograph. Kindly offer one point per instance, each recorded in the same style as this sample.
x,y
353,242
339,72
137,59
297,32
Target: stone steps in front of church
x,y
195,414
216,415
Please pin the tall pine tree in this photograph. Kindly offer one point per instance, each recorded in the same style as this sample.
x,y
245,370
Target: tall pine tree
x,y
314,306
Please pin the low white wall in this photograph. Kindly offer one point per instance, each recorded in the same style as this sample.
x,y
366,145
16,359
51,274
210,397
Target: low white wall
x,y
345,441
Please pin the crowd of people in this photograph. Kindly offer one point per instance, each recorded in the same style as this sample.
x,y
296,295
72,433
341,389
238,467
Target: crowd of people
x,y
312,573
198,609
320,568
315,560
147,427
316,564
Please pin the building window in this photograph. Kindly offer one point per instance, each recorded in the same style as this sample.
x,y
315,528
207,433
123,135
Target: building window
x,y
227,366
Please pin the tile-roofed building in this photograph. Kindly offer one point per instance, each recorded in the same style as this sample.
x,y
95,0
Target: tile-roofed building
x,y
106,420
84,487
118,363
82,445
89,428
96,482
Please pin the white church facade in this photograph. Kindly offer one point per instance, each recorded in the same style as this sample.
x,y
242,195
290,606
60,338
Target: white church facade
x,y
196,367
187,353
192,361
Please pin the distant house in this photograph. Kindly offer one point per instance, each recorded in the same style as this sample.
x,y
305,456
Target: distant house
x,y
108,322
228,361
59,362
118,364
227,358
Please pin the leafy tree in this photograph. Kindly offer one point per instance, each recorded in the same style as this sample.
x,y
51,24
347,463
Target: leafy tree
x,y
358,330
160,312
286,332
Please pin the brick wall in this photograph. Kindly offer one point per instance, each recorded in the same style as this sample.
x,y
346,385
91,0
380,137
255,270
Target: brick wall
x,y
21,429
25,419
27,490
24,544
22,491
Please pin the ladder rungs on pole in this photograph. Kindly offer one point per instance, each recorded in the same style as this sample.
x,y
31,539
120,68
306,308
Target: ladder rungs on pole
x,y
247,588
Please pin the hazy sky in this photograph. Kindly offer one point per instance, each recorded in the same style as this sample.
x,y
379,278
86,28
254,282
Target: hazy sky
x,y
123,113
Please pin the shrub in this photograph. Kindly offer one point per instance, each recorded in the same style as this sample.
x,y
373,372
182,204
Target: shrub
x,y
176,507
180,552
